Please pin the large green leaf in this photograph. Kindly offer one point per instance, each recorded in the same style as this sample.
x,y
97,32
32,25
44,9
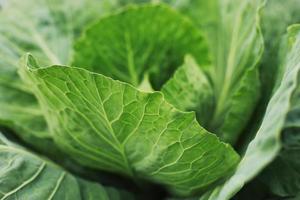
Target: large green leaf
x,y
149,39
271,71
233,31
24,175
283,15
110,125
46,29
281,176
280,115
134,52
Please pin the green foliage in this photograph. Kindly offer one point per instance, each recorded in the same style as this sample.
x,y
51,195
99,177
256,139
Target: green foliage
x,y
121,45
110,125
46,29
151,92
26,176
280,113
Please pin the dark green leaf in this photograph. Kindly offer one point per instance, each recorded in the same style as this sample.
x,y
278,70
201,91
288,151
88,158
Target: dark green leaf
x,y
150,39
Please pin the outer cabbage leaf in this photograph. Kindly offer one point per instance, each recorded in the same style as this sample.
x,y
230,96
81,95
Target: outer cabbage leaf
x,y
281,176
149,39
283,15
122,46
47,29
235,41
231,27
279,116
110,125
24,175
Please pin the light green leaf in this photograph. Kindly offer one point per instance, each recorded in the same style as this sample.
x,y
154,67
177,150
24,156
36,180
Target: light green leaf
x,y
271,71
231,27
134,52
47,29
24,175
190,90
149,39
267,143
110,125
282,176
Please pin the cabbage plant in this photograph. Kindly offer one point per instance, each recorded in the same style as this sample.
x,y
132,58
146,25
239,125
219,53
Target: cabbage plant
x,y
149,99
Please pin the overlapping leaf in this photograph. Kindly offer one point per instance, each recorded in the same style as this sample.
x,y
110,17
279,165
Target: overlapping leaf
x,y
189,89
281,176
47,29
25,176
110,125
231,27
149,39
280,114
